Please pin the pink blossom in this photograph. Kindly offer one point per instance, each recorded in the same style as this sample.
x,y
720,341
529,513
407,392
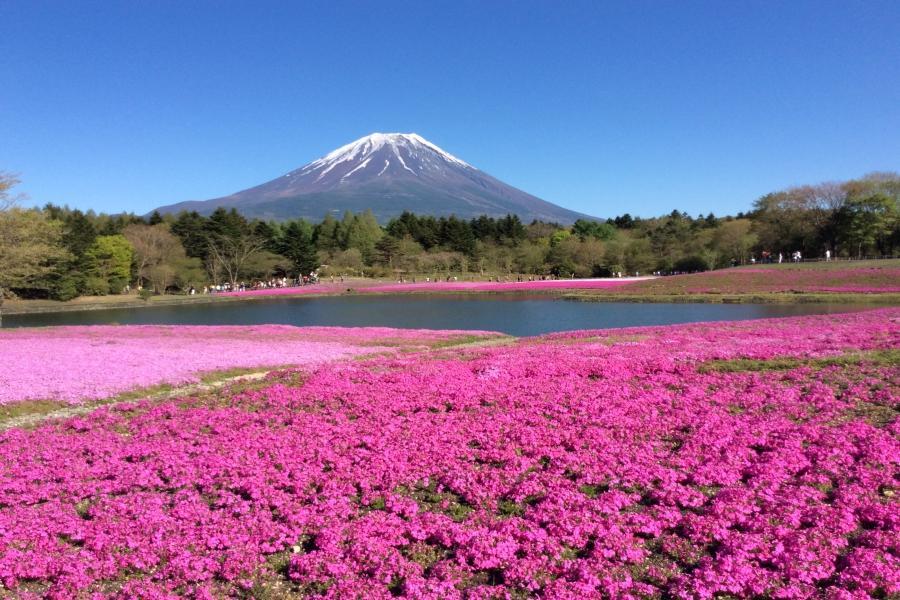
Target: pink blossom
x,y
79,363
596,464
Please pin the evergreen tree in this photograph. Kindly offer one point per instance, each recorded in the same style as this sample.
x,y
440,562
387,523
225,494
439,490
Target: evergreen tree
x,y
457,235
326,235
362,233
296,245
512,229
387,249
485,228
192,230
268,233
78,233
108,264
226,224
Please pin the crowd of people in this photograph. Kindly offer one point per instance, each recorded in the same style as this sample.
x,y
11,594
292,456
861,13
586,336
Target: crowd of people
x,y
274,282
313,277
771,258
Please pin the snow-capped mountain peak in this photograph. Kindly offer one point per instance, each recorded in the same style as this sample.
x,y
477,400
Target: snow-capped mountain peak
x,y
388,173
409,152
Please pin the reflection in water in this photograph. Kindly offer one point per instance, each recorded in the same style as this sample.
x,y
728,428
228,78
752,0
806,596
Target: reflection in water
x,y
514,314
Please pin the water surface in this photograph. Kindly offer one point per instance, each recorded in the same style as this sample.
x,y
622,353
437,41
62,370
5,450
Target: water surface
x,y
513,314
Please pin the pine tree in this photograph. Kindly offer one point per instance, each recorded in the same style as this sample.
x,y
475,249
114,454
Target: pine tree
x,y
326,234
296,245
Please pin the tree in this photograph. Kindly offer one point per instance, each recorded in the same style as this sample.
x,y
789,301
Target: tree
x,y
798,218
296,245
387,249
362,233
585,229
484,228
561,258
232,255
226,224
191,229
529,258
79,233
30,247
327,235
7,182
734,240
108,262
269,234
350,259
639,256
177,270
408,252
511,228
457,235
625,221
867,221
156,251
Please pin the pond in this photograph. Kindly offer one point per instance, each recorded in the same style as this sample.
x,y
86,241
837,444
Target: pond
x,y
518,315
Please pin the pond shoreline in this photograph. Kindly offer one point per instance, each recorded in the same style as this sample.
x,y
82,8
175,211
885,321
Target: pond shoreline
x,y
15,308
887,299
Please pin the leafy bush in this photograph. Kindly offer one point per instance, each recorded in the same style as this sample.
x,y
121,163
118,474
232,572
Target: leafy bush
x,y
690,264
64,289
96,286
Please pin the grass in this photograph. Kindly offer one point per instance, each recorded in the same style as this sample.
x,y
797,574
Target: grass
x,y
472,340
885,358
29,407
821,282
213,377
832,265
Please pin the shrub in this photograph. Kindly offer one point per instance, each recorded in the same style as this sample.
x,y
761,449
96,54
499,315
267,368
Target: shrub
x,y
65,289
690,264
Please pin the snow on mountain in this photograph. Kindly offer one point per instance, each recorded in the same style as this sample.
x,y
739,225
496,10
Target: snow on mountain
x,y
385,149
412,143
387,173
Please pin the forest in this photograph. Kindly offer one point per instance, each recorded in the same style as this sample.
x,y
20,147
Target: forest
x,y
60,253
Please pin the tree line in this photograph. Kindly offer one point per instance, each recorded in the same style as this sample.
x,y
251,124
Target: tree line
x,y
60,253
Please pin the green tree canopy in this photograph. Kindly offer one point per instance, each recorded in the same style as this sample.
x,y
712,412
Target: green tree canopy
x,y
108,263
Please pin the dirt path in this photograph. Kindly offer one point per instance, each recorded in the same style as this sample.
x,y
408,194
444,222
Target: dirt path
x,y
82,409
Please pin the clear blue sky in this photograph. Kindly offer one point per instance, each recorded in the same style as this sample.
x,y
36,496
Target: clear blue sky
x,y
604,108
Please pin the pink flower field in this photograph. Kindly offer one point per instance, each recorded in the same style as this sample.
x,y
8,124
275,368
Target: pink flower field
x,y
757,459
867,277
499,286
81,363
446,286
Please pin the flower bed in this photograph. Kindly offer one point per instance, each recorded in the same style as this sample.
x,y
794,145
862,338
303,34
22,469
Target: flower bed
x,y
446,286
500,286
822,277
79,363
752,459
304,290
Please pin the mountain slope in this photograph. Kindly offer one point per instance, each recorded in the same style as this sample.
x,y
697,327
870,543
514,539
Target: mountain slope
x,y
387,173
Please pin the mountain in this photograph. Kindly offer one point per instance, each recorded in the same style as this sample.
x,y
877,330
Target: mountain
x,y
387,173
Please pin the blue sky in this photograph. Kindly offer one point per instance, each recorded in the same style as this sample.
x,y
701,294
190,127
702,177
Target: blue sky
x,y
604,108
